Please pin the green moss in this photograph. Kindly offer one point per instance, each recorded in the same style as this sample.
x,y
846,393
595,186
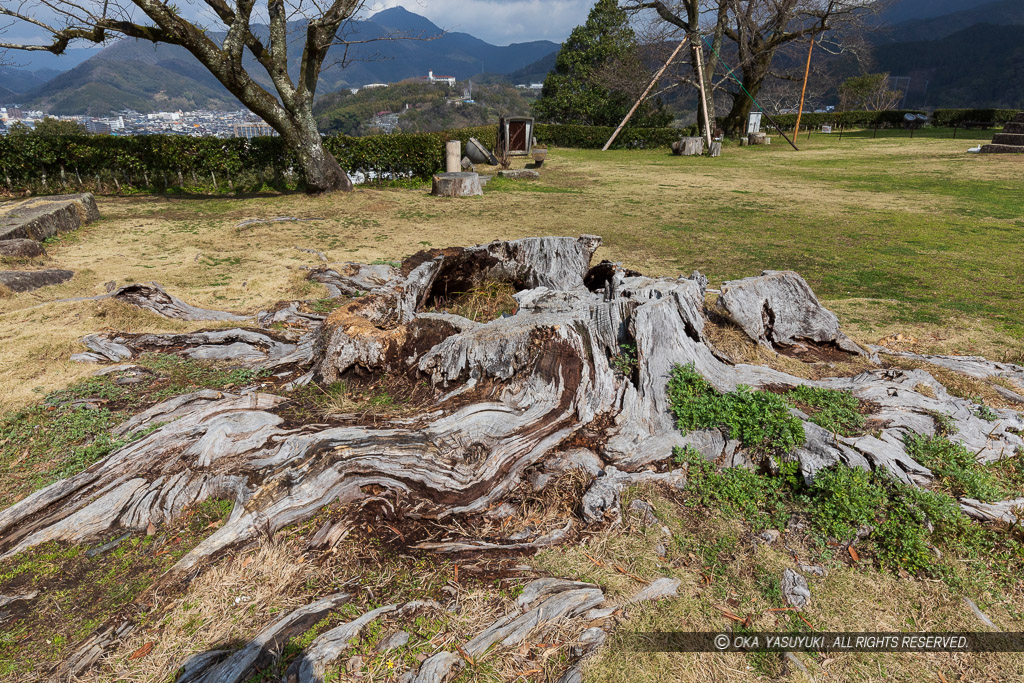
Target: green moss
x,y
61,436
760,420
842,499
625,360
81,589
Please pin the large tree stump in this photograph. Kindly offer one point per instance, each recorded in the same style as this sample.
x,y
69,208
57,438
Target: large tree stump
x,y
508,393
687,147
458,184
509,397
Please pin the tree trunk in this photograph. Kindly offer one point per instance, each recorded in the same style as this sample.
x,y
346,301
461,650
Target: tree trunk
x,y
322,172
753,76
458,184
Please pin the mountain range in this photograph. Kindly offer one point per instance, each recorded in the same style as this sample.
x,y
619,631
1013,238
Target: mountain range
x,y
146,77
956,53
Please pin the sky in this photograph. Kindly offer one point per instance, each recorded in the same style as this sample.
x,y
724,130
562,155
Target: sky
x,y
499,21
496,21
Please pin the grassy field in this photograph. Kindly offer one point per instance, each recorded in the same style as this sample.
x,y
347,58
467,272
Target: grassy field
x,y
909,240
900,236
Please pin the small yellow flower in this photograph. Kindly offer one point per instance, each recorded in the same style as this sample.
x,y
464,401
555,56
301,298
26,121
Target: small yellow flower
x,y
391,664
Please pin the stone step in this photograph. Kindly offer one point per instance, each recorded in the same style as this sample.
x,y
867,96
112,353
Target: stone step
x,y
1019,118
1002,149
1008,139
1013,127
40,218
27,280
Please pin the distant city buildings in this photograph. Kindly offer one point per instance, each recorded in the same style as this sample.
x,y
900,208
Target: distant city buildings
x,y
98,127
386,121
251,129
201,123
204,123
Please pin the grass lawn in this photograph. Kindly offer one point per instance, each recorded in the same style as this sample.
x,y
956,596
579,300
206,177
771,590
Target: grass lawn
x,y
911,240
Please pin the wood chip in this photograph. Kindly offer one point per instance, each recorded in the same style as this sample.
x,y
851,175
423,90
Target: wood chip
x,y
465,655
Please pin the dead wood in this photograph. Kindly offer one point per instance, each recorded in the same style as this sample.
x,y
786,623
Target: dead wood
x,y
540,390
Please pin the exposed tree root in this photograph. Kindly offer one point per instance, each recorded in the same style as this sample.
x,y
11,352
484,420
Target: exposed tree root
x,y
516,394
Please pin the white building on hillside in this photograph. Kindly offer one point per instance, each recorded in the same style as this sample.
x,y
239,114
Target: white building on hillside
x,y
450,80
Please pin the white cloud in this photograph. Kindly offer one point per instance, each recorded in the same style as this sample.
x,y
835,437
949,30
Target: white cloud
x,y
499,21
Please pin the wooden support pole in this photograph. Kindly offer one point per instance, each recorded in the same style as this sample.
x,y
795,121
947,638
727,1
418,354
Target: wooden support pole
x,y
703,95
644,96
807,73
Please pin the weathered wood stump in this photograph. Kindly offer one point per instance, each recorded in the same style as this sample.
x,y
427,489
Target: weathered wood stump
x,y
459,184
508,397
690,146
508,392
716,149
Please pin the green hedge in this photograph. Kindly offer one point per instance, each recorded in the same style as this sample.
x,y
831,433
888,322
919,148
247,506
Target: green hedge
x,y
103,163
882,119
957,117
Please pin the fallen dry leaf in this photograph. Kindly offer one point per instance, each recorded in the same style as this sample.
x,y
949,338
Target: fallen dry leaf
x,y
142,651
854,554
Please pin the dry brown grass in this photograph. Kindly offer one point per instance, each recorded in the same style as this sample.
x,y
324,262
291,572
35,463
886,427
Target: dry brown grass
x,y
733,343
226,605
733,578
959,384
482,303
866,321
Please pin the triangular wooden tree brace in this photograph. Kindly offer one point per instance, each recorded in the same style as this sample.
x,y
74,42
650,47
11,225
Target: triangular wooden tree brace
x,y
644,96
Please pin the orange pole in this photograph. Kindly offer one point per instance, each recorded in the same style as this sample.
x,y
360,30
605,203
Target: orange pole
x,y
807,73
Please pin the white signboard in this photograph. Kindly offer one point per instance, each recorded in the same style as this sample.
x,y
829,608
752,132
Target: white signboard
x,y
754,122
